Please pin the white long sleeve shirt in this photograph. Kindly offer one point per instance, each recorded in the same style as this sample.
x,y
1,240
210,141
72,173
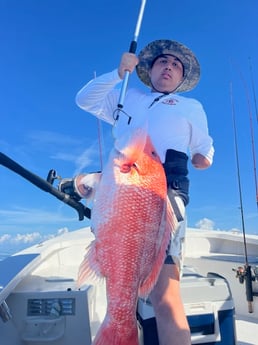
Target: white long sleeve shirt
x,y
174,122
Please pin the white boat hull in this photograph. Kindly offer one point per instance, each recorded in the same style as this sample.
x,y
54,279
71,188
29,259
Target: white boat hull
x,y
47,307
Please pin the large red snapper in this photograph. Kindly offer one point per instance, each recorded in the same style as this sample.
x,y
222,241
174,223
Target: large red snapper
x,y
132,220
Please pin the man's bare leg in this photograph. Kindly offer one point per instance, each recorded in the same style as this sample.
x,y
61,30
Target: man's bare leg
x,y
172,325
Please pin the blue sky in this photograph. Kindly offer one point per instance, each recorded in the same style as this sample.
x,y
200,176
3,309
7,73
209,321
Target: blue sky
x,y
51,48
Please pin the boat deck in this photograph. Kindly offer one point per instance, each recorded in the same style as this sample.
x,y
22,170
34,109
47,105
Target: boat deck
x,y
246,323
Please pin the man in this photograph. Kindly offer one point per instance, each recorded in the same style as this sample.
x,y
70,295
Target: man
x,y
178,128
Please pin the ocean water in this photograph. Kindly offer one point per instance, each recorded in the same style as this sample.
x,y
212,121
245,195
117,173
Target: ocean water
x,y
3,256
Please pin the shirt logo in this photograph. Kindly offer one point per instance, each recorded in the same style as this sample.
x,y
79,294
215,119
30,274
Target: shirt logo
x,y
170,101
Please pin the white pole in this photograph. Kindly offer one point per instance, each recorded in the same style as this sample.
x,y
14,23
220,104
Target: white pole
x,y
132,49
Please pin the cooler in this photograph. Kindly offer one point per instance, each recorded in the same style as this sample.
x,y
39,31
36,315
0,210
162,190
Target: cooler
x,y
209,308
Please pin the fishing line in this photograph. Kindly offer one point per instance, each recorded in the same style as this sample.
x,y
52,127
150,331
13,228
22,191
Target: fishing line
x,y
238,171
252,131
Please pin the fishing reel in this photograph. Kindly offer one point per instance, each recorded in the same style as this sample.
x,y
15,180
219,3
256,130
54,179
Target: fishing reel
x,y
242,273
65,185
248,275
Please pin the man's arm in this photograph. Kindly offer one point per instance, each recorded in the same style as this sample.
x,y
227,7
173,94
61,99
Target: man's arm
x,y
200,162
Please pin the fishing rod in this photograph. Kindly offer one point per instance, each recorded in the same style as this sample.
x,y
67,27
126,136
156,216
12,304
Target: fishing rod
x,y
243,274
251,130
253,88
132,49
46,185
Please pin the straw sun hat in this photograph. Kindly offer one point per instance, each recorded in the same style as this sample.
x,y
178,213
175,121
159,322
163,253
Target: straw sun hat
x,y
184,54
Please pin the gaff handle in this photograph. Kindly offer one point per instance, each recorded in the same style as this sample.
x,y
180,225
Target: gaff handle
x,y
132,49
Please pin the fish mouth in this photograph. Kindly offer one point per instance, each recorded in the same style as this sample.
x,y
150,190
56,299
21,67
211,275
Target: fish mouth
x,y
126,167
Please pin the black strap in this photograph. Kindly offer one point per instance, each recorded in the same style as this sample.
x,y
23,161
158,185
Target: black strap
x,y
172,194
176,163
176,171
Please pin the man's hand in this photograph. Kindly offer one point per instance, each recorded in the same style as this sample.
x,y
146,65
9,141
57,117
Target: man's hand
x,y
128,63
200,162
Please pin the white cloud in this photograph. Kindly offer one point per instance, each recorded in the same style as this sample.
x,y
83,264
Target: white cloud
x,y
205,223
5,238
81,161
26,238
10,244
85,159
29,238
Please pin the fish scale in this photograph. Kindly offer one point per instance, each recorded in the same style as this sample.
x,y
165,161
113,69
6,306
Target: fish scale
x,y
132,220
